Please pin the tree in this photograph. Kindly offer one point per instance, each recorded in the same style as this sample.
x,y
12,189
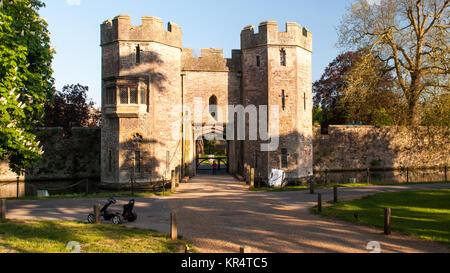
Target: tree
x,y
357,88
71,108
369,94
25,80
436,111
411,36
328,90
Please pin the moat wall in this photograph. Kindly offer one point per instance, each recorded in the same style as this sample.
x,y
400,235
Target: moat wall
x,y
362,147
67,159
346,149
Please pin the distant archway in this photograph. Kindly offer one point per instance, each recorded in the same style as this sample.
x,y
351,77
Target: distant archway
x,y
213,102
211,146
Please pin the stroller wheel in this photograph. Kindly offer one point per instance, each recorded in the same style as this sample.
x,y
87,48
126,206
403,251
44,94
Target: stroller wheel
x,y
132,217
117,220
91,218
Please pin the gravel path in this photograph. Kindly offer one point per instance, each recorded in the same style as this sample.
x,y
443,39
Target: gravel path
x,y
218,214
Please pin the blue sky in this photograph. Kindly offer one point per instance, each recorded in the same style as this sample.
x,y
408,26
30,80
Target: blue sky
x,y
75,28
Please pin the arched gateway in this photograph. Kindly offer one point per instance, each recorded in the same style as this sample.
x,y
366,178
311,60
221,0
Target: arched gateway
x,y
149,80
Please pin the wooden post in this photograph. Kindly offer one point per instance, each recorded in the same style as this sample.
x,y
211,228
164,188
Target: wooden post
x,y
335,194
17,190
319,202
173,226
97,214
252,178
244,249
87,187
368,175
445,173
2,209
173,182
387,221
311,187
407,175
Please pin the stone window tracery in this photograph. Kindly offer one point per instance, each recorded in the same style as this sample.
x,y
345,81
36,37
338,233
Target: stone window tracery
x,y
123,95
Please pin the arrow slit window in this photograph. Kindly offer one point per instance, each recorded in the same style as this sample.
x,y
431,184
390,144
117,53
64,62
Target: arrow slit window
x,y
283,57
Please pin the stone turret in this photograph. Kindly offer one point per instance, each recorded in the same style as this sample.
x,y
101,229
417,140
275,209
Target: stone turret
x,y
151,30
276,68
268,34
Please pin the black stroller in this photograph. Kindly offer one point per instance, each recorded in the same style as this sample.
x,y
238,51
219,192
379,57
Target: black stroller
x,y
115,217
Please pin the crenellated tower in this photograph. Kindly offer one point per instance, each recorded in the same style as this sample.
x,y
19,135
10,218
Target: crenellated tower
x,y
276,68
140,89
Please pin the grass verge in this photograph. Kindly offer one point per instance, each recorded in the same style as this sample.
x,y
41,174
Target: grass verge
x,y
331,185
422,214
54,236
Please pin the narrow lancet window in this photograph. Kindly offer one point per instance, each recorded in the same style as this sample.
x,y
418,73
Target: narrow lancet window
x,y
110,161
137,162
283,57
284,158
138,54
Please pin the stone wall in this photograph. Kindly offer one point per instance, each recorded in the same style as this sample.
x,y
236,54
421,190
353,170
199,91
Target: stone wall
x,y
66,159
348,148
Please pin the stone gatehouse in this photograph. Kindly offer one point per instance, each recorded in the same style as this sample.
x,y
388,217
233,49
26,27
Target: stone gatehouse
x,y
151,84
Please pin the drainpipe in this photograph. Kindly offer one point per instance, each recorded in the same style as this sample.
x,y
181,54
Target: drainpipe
x,y
183,171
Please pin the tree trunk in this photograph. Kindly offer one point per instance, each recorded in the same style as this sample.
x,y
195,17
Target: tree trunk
x,y
413,113
413,100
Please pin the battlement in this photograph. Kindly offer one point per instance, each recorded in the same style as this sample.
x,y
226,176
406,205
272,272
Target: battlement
x,y
151,30
211,60
268,34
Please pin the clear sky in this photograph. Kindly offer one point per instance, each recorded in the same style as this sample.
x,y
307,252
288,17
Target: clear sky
x,y
75,28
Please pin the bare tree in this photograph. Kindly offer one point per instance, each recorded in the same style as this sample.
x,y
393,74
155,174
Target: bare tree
x,y
411,37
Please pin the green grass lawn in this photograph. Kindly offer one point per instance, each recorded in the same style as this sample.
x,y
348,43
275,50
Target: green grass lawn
x,y
422,214
53,237
331,185
288,188
98,195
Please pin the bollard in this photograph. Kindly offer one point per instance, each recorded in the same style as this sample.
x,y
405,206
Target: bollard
x,y
407,175
445,172
18,189
173,226
97,214
87,187
319,202
311,187
2,209
173,187
244,249
252,178
387,221
335,194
